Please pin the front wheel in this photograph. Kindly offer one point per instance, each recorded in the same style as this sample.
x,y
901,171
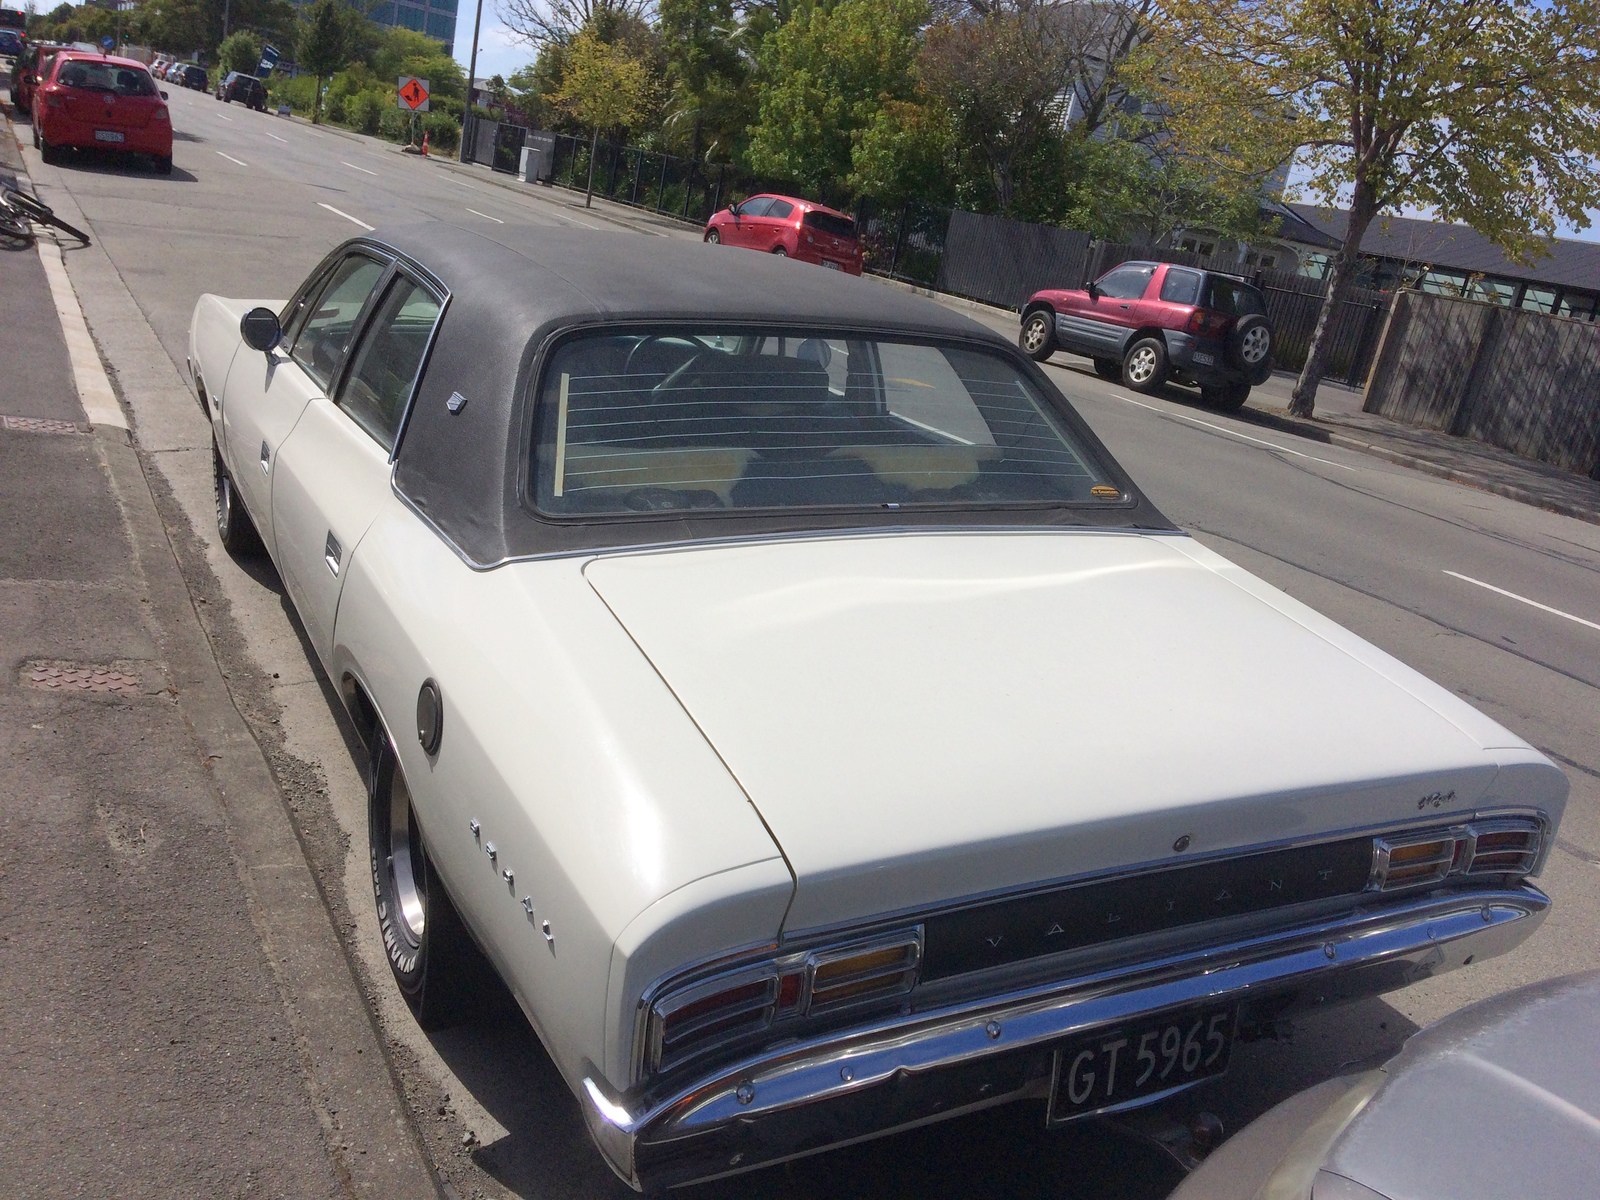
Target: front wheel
x,y
713,237
1144,367
1038,337
235,530
439,969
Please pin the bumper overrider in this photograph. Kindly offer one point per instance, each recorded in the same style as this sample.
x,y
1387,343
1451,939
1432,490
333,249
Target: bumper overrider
x,y
844,1086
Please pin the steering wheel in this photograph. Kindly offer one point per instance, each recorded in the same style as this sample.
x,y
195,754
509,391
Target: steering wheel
x,y
657,339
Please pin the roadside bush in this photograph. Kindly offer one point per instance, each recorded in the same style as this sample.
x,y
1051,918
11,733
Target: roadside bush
x,y
394,125
364,112
444,131
296,93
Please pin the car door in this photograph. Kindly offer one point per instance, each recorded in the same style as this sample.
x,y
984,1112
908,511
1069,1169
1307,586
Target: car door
x,y
1112,313
333,471
746,224
266,393
774,222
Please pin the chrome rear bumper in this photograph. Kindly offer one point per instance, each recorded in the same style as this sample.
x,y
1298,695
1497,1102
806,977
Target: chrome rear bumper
x,y
846,1086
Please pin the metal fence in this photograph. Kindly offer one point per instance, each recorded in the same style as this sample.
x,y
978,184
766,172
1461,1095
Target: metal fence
x,y
1525,381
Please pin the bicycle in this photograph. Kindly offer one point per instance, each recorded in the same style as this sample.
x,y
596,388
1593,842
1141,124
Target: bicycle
x,y
19,212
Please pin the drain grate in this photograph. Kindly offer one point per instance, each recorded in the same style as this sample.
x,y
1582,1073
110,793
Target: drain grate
x,y
39,425
56,677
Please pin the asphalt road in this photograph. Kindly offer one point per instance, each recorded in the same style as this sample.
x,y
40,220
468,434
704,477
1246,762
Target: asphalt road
x,y
1495,600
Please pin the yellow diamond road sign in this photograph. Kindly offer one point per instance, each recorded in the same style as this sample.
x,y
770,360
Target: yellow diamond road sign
x,y
413,93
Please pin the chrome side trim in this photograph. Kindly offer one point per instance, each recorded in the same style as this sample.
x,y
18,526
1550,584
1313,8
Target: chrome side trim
x,y
1365,953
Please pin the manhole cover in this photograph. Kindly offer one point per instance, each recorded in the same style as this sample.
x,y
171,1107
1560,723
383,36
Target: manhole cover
x,y
56,677
39,425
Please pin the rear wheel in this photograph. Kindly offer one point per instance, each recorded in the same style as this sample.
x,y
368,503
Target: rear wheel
x,y
1038,337
163,164
1144,367
780,252
1108,369
1229,397
713,237
235,530
439,969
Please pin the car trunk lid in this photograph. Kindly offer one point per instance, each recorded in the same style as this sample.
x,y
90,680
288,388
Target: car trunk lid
x,y
920,718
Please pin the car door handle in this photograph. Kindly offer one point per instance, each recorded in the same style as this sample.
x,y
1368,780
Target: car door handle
x,y
331,552
1124,306
266,458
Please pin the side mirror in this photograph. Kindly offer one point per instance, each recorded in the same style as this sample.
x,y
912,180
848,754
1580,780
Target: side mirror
x,y
260,330
733,210
163,94
1094,290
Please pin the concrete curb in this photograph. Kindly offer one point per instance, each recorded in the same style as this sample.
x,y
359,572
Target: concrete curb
x,y
88,373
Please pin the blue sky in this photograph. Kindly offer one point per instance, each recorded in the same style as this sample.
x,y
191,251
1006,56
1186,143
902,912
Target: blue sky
x,y
498,52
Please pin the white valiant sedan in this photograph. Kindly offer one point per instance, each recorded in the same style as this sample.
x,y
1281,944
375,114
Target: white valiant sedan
x,y
771,676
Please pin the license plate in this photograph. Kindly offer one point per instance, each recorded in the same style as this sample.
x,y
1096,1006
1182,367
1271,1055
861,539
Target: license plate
x,y
107,135
1205,360
832,266
1140,1062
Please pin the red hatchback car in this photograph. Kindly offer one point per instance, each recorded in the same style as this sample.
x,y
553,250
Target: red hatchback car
x,y
1146,323
93,101
789,226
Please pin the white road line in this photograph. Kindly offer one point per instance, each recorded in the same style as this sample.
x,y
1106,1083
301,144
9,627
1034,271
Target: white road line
x,y
485,216
462,183
353,167
575,221
276,138
1513,596
1244,437
232,159
220,117
338,213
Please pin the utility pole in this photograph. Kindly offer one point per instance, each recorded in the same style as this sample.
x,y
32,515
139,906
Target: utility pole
x,y
468,121
225,4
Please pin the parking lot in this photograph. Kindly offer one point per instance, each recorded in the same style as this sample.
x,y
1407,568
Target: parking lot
x,y
1493,599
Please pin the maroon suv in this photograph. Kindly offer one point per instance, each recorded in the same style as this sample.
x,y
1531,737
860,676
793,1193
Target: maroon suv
x,y
1147,324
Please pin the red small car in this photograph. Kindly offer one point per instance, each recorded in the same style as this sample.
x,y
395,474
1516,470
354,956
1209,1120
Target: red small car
x,y
789,226
1146,323
94,101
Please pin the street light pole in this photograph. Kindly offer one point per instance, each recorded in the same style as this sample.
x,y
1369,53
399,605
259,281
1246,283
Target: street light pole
x,y
468,121
225,4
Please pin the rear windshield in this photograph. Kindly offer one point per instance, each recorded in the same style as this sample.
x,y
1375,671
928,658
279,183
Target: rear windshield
x,y
728,419
1236,299
106,77
829,223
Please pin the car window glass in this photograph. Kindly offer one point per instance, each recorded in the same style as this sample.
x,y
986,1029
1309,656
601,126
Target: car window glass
x,y
320,343
755,208
1180,286
780,209
829,223
106,77
631,423
1232,297
387,359
1126,282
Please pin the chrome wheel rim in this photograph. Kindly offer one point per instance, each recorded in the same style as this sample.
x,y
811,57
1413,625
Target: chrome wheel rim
x,y
403,854
1033,336
1256,341
224,503
1142,364
713,237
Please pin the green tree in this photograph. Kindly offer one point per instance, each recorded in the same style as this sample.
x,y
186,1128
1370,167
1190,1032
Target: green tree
x,y
240,52
603,87
407,52
826,74
711,99
904,154
331,35
1484,111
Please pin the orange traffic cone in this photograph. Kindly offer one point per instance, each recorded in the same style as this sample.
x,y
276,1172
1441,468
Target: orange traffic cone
x,y
424,143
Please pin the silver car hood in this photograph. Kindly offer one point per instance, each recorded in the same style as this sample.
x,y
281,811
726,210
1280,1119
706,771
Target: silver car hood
x,y
924,717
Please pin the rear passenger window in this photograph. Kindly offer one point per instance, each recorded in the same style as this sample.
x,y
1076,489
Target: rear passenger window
x,y
387,359
1180,286
322,340
780,209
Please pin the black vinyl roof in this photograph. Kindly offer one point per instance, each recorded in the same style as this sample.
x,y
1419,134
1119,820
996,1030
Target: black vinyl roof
x,y
514,289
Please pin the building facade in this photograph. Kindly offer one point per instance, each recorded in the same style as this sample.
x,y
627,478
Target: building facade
x,y
436,18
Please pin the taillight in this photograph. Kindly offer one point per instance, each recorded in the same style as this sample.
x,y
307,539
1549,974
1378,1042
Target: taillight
x,y
161,114
1206,323
740,1005
1501,846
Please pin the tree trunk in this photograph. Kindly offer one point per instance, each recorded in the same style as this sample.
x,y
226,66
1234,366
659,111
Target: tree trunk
x,y
316,99
1303,400
594,149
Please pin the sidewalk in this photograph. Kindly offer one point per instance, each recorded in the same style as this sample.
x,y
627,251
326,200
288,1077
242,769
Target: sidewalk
x,y
154,899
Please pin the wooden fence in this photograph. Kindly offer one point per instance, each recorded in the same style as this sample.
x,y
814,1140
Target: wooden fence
x,y
1524,381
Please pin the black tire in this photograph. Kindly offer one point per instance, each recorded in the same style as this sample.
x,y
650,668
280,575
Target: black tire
x,y
1250,346
1108,369
713,237
1227,397
36,138
51,155
1144,366
235,530
1037,338
437,966
780,252
163,164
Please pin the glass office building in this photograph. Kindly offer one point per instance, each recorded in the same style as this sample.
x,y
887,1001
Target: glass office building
x,y
436,18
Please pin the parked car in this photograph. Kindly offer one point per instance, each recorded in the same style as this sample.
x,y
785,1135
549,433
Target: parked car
x,y
1145,324
789,226
11,43
1501,1098
97,102
26,72
246,89
806,716
191,76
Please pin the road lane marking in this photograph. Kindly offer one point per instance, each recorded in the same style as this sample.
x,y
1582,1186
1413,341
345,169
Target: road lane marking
x,y
1513,596
485,216
220,117
339,213
232,159
353,167
575,221
276,138
1230,432
462,183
